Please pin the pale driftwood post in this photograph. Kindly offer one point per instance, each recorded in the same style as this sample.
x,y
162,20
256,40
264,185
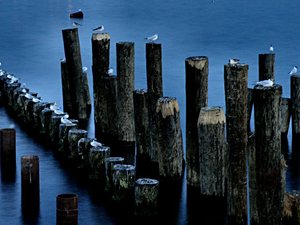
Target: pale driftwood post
x,y
109,164
196,88
30,182
74,66
212,151
66,89
155,91
67,209
146,197
295,108
125,79
269,197
8,153
170,148
123,182
142,131
236,94
285,112
266,67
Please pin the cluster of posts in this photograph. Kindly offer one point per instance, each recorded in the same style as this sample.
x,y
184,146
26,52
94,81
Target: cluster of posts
x,y
148,123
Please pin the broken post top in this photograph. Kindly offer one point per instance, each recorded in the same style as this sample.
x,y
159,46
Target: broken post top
x,y
211,115
123,167
236,67
274,87
168,106
141,91
199,62
146,181
69,30
128,44
29,157
100,36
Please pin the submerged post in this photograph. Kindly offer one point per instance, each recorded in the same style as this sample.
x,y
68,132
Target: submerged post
x,y
125,88
30,182
212,151
196,88
67,209
74,66
269,197
155,91
8,153
170,148
236,94
266,66
295,107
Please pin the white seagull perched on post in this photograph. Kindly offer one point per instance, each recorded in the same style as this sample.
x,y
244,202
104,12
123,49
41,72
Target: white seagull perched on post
x,y
152,38
110,71
84,69
75,24
293,71
265,83
54,107
234,61
271,48
65,120
99,29
95,143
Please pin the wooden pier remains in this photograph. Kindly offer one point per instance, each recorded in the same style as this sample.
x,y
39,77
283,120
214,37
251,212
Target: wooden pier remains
x,y
67,209
266,66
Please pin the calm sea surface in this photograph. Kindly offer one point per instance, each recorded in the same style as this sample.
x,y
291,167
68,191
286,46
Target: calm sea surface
x,y
31,47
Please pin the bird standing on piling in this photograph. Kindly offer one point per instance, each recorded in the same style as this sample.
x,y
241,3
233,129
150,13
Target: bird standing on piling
x,y
65,120
234,61
99,29
75,24
293,71
271,49
110,71
95,143
152,38
265,83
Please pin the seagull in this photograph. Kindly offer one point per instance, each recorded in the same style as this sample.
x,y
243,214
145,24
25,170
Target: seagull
x,y
265,83
58,112
234,61
13,80
110,71
35,100
293,71
65,120
54,107
84,69
75,24
24,90
152,38
28,96
271,48
95,143
63,59
99,29
1,72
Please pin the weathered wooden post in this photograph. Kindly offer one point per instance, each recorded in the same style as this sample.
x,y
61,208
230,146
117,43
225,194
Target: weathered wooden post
x,y
196,77
123,183
142,131
8,153
84,146
54,128
109,164
66,87
97,158
155,91
285,112
100,54
125,88
46,115
266,66
74,136
37,110
86,91
63,145
67,209
30,182
269,197
170,148
212,151
74,66
146,197
236,94
295,108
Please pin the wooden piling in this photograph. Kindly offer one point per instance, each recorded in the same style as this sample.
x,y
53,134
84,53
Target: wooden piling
x,y
66,87
285,112
97,158
63,144
236,93
146,197
155,91
269,197
109,164
37,110
86,92
54,128
8,153
170,149
291,208
196,88
74,66
123,183
46,115
74,136
100,54
212,151
67,209
295,106
84,146
125,88
30,182
266,67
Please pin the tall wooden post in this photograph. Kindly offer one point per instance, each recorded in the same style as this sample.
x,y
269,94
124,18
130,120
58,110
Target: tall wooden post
x,y
269,196
196,89
170,148
266,66
295,108
125,79
212,151
66,87
74,65
155,91
236,94
285,110
67,209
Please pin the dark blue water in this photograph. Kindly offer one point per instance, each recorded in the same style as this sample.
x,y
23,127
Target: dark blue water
x,y
31,47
